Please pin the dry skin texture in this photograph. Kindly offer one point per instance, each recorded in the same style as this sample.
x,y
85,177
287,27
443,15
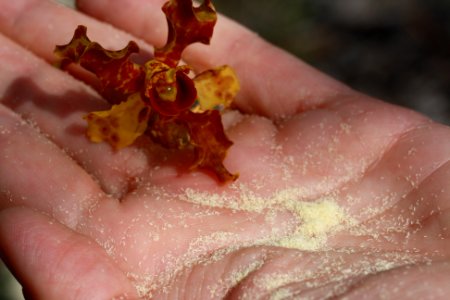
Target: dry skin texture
x,y
312,222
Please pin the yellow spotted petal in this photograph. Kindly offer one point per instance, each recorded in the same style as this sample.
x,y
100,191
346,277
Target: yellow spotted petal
x,y
216,88
121,125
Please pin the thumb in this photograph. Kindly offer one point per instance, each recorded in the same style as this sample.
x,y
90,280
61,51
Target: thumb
x,y
53,262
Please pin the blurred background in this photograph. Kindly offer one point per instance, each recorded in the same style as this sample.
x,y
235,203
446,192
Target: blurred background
x,y
396,50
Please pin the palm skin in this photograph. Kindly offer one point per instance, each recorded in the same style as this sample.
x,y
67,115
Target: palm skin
x,y
80,221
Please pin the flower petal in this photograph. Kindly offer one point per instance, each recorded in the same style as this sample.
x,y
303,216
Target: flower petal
x,y
210,143
121,125
201,134
114,68
216,88
187,25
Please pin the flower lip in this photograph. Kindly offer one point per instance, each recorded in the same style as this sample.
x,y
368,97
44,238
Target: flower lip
x,y
170,97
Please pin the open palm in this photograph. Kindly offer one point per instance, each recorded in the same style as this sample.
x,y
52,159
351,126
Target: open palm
x,y
339,194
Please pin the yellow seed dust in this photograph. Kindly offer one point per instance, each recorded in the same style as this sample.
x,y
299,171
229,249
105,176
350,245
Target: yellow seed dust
x,y
281,294
315,219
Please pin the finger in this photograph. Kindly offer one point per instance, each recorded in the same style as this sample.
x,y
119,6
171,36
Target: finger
x,y
21,20
56,103
52,262
41,25
36,173
266,72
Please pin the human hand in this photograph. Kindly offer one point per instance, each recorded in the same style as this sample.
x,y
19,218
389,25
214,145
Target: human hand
x,y
339,194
